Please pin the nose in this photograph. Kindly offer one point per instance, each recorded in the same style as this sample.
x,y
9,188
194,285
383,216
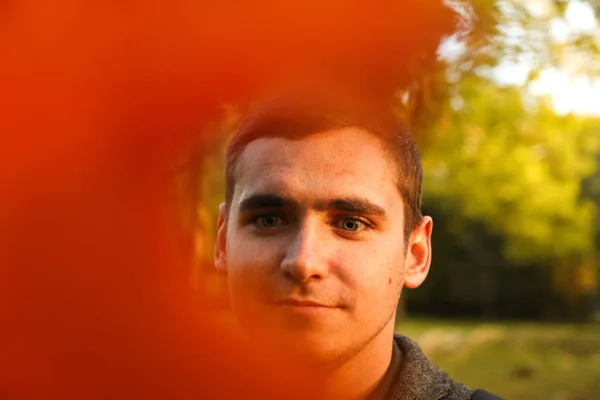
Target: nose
x,y
306,255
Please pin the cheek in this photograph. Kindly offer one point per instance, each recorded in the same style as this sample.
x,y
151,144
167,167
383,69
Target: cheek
x,y
373,271
372,262
245,269
249,262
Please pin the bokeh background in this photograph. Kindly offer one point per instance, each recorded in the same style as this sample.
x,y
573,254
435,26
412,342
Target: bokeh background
x,y
508,123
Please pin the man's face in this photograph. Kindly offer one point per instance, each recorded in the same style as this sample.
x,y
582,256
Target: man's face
x,y
313,244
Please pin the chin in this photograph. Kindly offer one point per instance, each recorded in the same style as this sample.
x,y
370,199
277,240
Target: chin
x,y
309,347
305,340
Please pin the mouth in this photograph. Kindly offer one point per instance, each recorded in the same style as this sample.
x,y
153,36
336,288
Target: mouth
x,y
302,303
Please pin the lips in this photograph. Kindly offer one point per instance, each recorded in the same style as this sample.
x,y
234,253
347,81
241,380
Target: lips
x,y
302,303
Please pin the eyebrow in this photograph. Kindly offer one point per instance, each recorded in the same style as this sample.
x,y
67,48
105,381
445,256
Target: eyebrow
x,y
353,205
259,201
349,204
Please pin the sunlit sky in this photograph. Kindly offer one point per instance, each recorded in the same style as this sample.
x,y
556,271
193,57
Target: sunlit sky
x,y
568,91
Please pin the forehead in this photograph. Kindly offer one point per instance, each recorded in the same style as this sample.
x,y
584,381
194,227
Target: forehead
x,y
336,163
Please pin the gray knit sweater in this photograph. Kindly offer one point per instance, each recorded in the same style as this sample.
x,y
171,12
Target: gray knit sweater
x,y
419,379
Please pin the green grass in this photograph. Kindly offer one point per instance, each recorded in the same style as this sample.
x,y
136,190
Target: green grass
x,y
515,360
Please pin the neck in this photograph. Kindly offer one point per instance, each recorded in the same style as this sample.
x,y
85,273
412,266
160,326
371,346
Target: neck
x,y
358,377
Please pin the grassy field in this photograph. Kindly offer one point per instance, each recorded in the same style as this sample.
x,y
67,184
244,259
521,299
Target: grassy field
x,y
515,360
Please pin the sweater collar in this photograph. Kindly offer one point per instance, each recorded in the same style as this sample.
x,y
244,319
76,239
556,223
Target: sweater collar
x,y
418,378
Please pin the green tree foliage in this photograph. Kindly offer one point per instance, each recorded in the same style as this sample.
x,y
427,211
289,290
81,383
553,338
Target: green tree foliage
x,y
511,182
518,168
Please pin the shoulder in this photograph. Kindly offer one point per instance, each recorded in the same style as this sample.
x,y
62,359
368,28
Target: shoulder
x,y
458,391
420,379
483,395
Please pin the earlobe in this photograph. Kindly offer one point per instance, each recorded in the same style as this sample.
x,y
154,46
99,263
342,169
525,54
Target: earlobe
x,y
221,241
418,254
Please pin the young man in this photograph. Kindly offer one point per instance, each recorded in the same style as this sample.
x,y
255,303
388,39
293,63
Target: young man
x,y
320,232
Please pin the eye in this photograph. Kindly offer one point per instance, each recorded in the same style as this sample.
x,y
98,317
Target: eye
x,y
351,224
269,221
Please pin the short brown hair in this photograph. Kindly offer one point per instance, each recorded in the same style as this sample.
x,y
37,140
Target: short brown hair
x,y
296,118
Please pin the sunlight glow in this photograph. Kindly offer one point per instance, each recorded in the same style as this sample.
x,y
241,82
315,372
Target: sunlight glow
x,y
569,93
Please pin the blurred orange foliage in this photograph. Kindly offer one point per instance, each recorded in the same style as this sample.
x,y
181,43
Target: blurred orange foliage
x,y
97,100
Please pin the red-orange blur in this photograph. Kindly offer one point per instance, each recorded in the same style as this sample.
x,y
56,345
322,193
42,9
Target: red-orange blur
x,y
97,100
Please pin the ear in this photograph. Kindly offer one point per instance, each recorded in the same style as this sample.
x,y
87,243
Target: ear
x,y
418,254
221,242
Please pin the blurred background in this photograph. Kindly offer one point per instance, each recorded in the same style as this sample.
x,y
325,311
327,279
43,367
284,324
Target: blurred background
x,y
508,123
